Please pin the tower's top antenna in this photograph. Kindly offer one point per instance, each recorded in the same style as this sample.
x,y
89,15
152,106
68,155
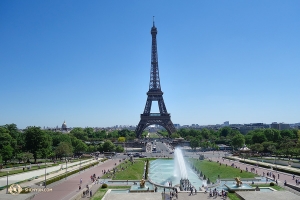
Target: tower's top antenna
x,y
153,21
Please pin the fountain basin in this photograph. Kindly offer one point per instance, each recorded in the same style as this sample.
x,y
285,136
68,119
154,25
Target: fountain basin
x,y
244,187
137,188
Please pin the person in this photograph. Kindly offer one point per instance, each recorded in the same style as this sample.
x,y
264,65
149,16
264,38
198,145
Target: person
x,y
278,176
284,182
80,181
91,193
79,187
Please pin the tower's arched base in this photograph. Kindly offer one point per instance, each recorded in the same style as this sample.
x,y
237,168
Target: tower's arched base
x,y
162,120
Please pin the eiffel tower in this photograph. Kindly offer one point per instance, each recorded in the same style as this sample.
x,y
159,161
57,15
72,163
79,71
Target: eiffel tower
x,y
163,118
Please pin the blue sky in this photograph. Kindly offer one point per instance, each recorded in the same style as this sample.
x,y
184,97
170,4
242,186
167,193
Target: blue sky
x,y
88,62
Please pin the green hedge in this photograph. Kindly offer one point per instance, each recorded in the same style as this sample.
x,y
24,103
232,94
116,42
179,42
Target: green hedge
x,y
146,171
60,177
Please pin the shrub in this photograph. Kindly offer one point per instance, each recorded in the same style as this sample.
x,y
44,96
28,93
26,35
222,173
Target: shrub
x,y
104,185
272,184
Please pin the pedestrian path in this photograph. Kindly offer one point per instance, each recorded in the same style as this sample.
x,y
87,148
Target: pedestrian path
x,y
69,189
292,169
16,178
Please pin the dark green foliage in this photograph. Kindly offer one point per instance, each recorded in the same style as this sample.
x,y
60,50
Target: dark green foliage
x,y
104,185
272,184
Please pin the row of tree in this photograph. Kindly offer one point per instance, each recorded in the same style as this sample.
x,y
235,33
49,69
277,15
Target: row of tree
x,y
33,142
285,142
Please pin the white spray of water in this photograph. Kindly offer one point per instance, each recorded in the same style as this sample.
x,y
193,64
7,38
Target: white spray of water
x,y
180,168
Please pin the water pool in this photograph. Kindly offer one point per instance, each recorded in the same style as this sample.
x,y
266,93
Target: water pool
x,y
162,172
116,191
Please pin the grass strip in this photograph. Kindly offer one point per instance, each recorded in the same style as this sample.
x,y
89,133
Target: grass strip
x,y
212,169
127,171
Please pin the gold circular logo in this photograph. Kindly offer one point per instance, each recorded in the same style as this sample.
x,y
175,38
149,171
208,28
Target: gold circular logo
x,y
15,189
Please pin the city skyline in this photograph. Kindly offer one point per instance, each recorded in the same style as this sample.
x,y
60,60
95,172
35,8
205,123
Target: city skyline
x,y
89,63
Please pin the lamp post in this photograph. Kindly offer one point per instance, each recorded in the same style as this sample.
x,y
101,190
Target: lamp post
x,y
66,167
45,174
7,182
80,164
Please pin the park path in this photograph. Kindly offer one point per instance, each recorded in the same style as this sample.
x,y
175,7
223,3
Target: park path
x,y
69,188
259,171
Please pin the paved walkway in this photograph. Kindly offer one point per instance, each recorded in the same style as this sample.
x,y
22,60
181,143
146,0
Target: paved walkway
x,y
68,189
30,174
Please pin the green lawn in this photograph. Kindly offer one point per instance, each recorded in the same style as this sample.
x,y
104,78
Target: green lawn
x,y
101,192
232,196
212,169
132,172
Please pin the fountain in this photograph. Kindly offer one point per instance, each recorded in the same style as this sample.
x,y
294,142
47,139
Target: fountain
x,y
180,168
238,181
239,186
142,187
175,172
142,183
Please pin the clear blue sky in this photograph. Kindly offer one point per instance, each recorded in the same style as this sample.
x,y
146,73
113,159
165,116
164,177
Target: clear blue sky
x,y
88,62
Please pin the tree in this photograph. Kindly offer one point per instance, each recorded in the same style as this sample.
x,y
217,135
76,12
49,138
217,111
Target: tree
x,y
225,131
91,148
288,134
100,134
78,145
175,135
121,139
286,145
258,137
269,145
119,148
248,139
194,143
6,153
25,156
79,134
37,142
238,141
257,147
108,146
63,149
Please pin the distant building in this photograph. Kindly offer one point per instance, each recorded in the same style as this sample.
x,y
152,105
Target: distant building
x,y
226,123
177,126
64,126
275,125
283,126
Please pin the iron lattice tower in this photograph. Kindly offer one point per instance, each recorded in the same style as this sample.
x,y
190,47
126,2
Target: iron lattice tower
x,y
163,118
